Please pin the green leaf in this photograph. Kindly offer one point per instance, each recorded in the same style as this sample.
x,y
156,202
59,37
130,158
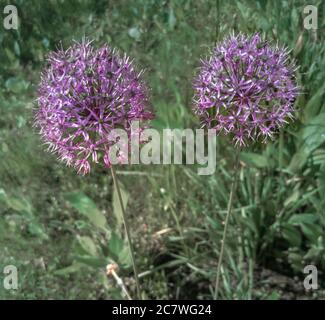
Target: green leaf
x,y
291,234
312,231
24,207
314,253
124,257
243,10
87,207
11,56
115,245
308,224
292,198
314,104
298,161
92,261
254,159
134,33
75,267
274,296
36,229
295,260
19,204
171,19
17,48
297,219
321,181
313,134
3,196
119,250
16,85
88,245
213,222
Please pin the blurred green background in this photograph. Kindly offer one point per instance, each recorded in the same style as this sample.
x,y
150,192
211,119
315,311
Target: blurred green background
x,y
61,229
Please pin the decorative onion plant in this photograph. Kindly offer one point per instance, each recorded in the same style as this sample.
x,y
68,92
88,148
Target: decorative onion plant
x,y
245,89
84,94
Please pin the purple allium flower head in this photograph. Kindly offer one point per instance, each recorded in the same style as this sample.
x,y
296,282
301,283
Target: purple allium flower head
x,y
246,88
84,94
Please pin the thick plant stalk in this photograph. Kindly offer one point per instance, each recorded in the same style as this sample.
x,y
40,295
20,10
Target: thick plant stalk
x,y
229,209
127,231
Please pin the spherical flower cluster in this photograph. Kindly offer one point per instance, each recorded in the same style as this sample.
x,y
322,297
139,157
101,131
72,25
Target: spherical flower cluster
x,y
84,94
246,88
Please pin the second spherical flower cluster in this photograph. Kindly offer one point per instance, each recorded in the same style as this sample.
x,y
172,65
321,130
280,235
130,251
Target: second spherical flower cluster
x,y
246,88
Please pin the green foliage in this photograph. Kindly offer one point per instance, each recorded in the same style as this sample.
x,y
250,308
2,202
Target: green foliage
x,y
105,246
87,207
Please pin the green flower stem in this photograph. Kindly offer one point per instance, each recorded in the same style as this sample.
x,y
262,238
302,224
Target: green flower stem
x,y
127,231
229,209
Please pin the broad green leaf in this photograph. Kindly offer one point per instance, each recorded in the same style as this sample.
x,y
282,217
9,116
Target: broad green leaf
x,y
75,267
92,261
19,204
274,296
115,245
298,161
314,104
313,134
16,85
254,159
297,219
312,231
88,245
314,253
291,234
295,260
36,229
292,198
87,207
124,257
119,250
24,207
243,10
